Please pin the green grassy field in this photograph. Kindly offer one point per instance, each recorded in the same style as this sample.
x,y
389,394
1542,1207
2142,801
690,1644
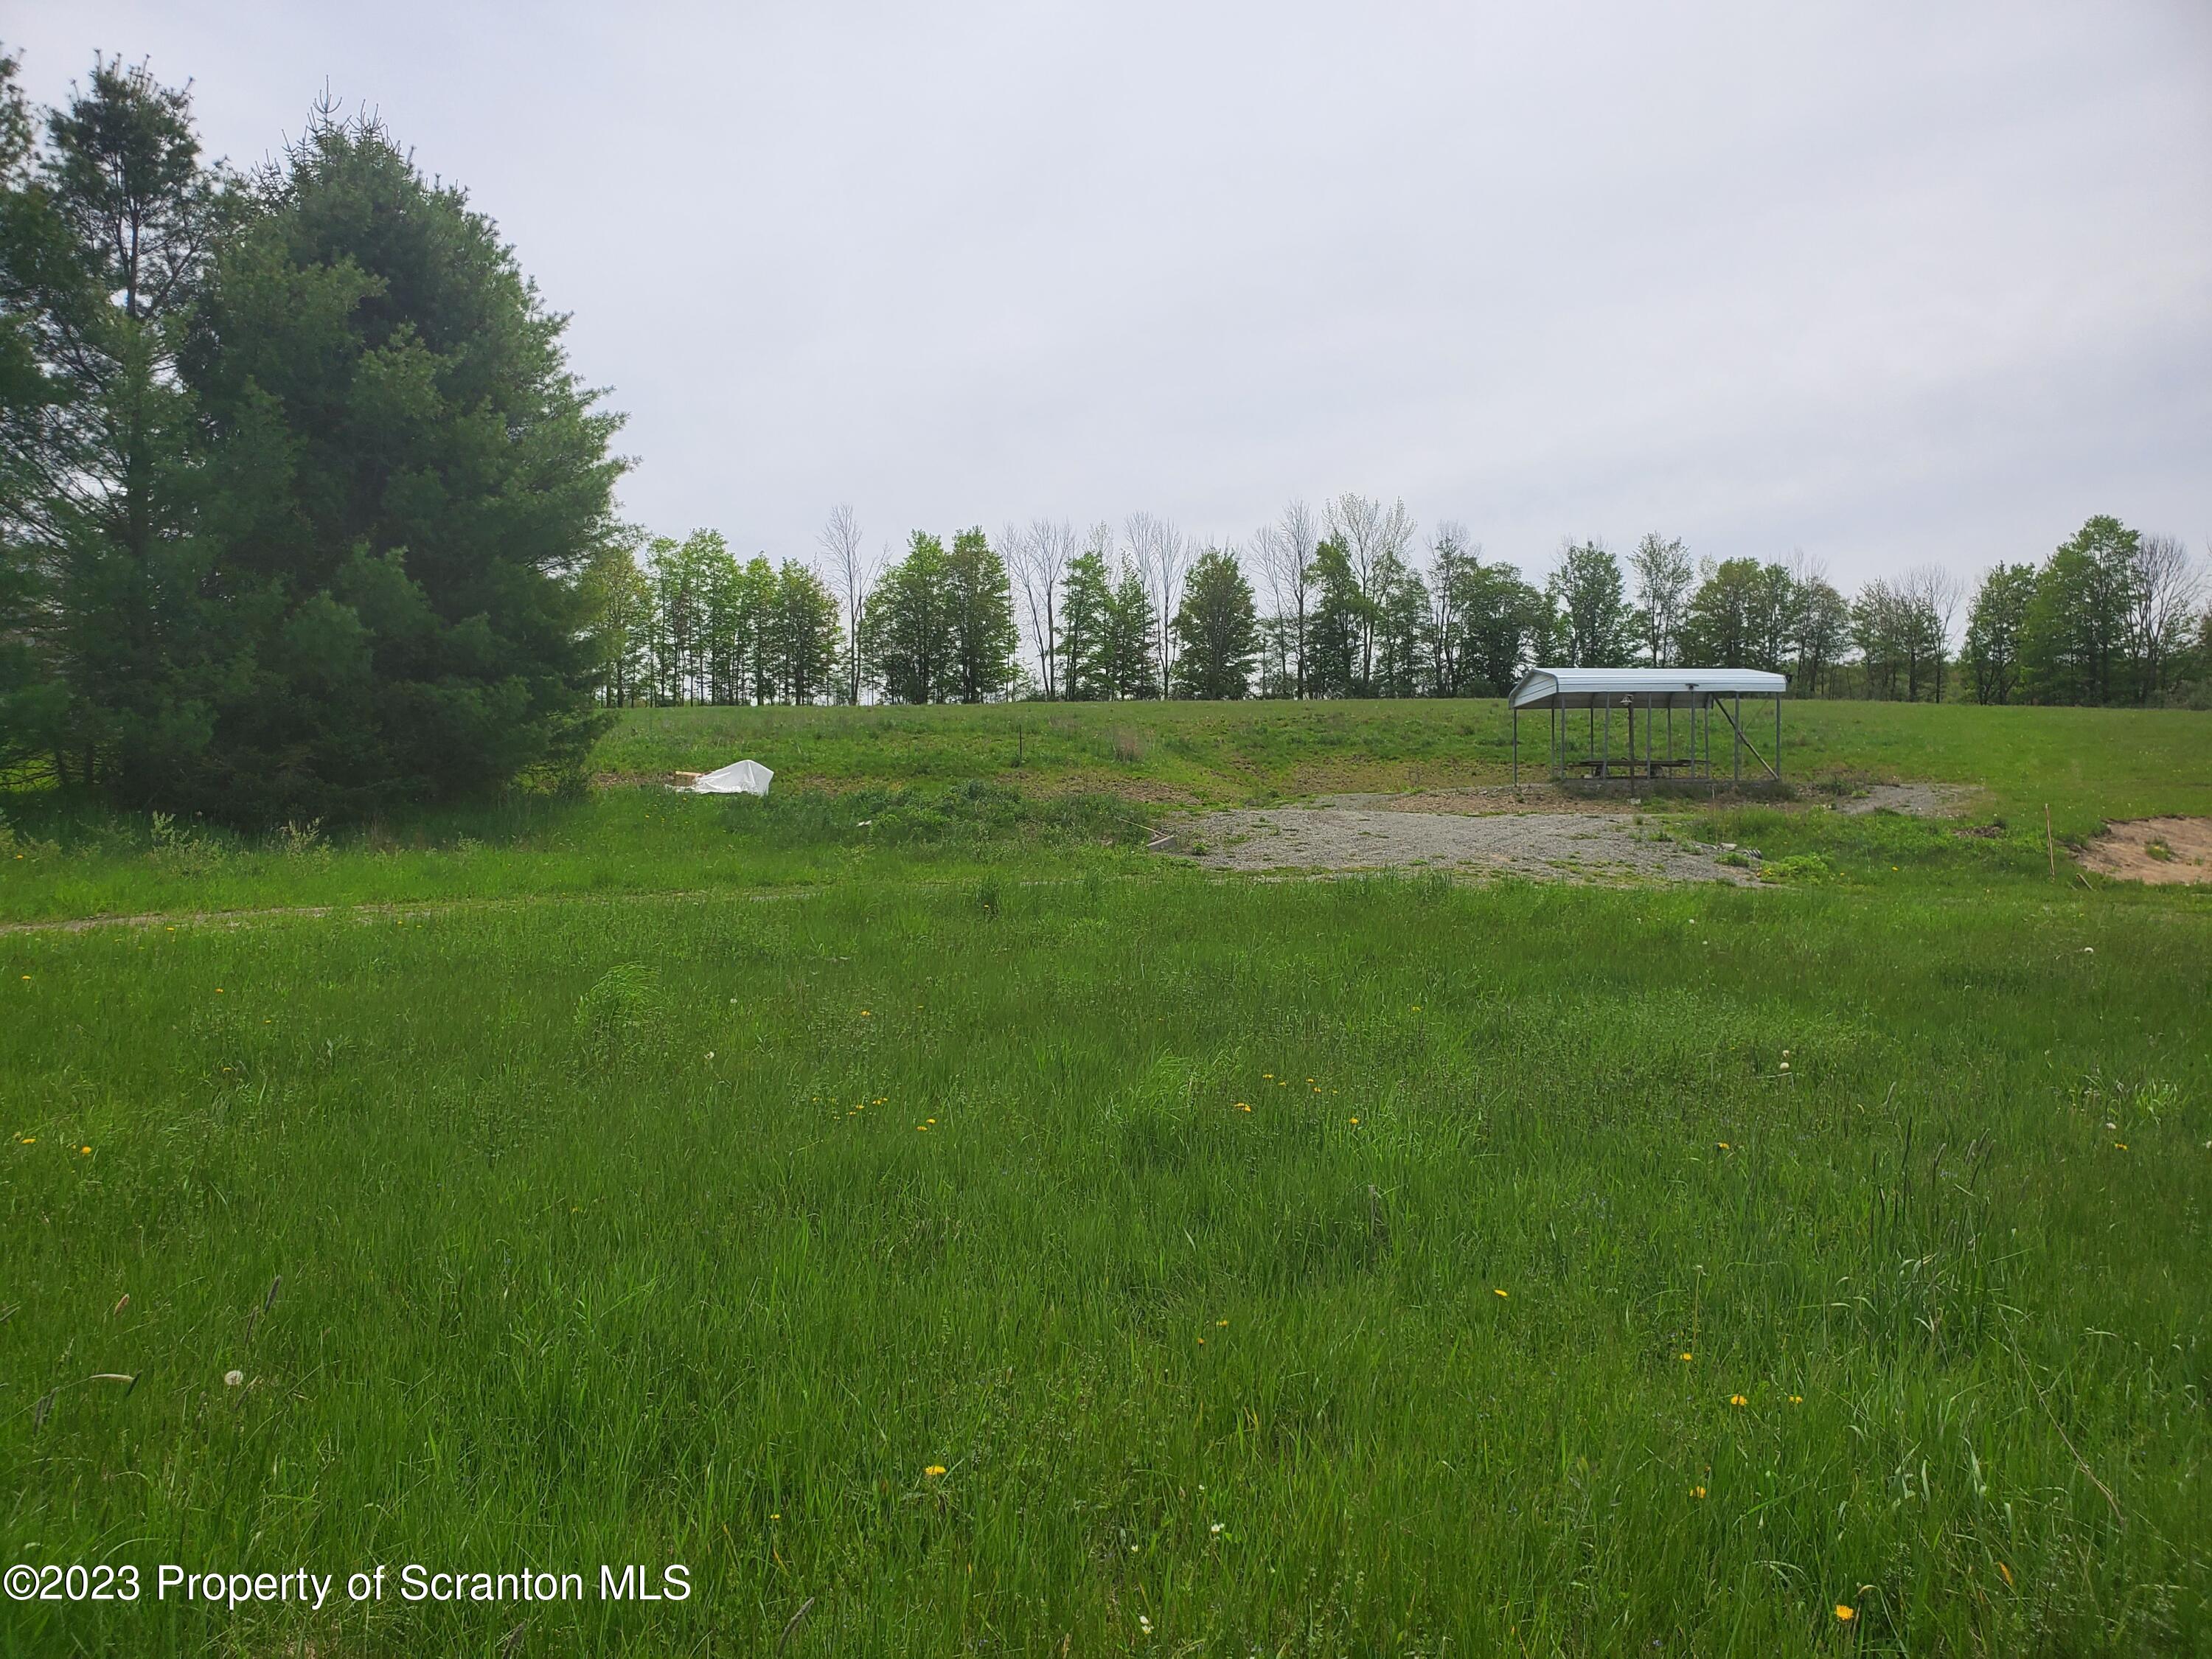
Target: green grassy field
x,y
922,1216
937,794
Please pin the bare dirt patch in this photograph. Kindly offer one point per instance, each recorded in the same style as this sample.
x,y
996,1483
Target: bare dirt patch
x,y
1541,846
2163,852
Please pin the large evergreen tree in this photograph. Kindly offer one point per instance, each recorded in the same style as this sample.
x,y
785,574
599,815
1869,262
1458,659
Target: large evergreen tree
x,y
34,248
406,482
108,246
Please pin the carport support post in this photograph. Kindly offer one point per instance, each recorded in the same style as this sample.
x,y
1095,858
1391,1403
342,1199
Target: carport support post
x,y
1517,747
1735,750
1778,740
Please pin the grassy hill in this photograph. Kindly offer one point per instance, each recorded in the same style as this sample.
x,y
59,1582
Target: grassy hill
x,y
2084,763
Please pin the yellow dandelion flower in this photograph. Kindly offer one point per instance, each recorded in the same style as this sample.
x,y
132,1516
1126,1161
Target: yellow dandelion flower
x,y
1685,1356
1220,1321
1697,1491
1796,1399
1738,1400
84,1151
934,1471
1355,1123
1497,1293
1242,1107
1844,1612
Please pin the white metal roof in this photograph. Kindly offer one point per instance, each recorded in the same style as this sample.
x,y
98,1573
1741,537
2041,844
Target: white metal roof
x,y
1664,688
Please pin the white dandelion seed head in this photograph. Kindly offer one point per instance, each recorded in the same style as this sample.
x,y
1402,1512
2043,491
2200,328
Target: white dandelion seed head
x,y
233,1379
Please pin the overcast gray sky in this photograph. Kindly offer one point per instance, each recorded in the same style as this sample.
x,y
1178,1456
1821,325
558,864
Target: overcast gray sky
x,y
1887,282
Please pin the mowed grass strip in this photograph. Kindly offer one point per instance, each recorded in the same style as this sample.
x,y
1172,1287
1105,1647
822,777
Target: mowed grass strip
x,y
1370,1267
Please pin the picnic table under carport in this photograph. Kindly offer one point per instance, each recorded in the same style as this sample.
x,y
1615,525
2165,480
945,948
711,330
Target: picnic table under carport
x,y
1656,694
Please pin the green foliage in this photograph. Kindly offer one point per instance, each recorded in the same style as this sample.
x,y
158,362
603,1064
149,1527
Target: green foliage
x,y
1799,867
1343,614
1995,628
410,484
1596,629
1741,617
984,635
906,637
1085,615
1491,625
2074,638
310,487
694,625
1216,629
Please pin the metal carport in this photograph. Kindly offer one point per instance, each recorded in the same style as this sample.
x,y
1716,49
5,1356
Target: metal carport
x,y
1698,690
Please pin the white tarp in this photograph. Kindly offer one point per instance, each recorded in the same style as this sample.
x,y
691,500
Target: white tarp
x,y
745,778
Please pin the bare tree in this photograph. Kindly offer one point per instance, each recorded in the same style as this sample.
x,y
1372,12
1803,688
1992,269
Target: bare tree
x,y
1375,538
1285,550
1932,595
1160,553
2166,587
1664,577
1040,558
852,575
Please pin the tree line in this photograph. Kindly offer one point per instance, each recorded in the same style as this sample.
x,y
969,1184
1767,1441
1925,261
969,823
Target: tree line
x,y
1355,608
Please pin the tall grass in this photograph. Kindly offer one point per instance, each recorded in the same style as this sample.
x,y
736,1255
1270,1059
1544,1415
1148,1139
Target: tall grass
x,y
1374,1266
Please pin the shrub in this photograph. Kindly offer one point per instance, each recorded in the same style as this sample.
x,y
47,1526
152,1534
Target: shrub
x,y
619,1020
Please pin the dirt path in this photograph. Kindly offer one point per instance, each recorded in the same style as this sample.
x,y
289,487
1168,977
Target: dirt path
x,y
1543,846
395,910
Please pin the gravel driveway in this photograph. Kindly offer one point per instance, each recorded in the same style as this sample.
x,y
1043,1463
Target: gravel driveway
x,y
1546,846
